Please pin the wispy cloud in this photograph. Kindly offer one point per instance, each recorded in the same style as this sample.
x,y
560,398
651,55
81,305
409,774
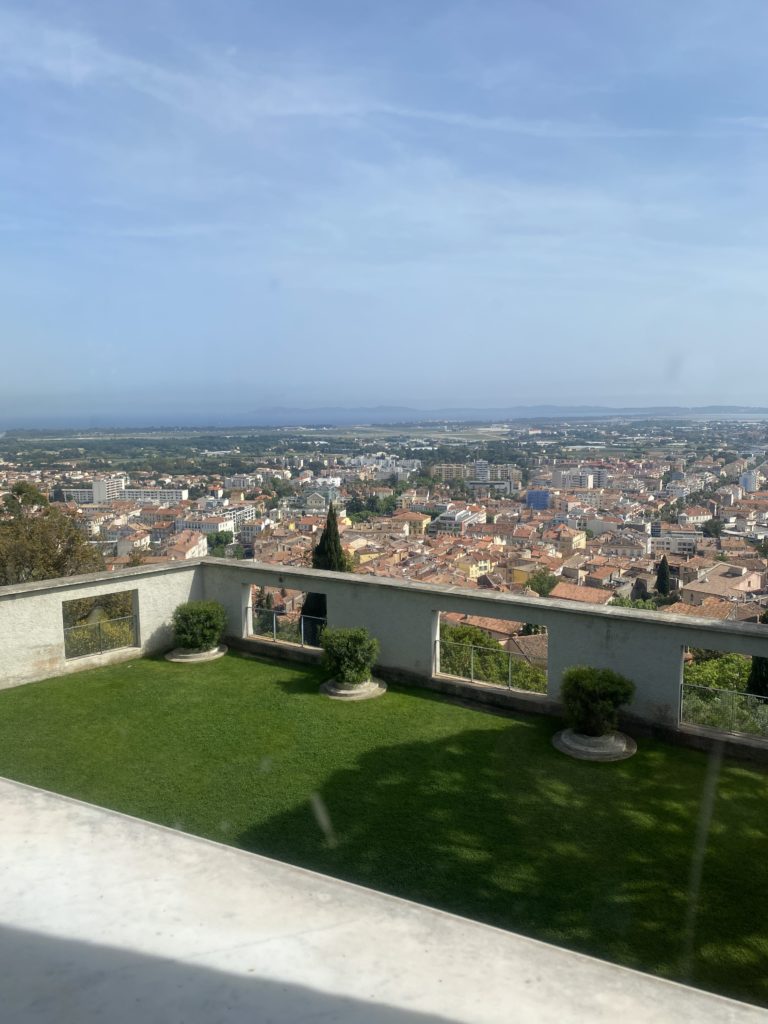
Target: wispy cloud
x,y
214,91
513,172
227,97
533,128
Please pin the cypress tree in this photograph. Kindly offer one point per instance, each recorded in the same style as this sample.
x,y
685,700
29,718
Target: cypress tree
x,y
328,554
662,578
758,675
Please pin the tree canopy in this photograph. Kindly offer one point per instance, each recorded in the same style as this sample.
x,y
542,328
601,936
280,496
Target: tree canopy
x,y
43,545
24,498
470,652
629,602
220,540
729,672
542,582
712,528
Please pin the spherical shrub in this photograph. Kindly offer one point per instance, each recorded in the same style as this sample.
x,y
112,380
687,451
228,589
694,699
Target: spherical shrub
x,y
349,654
592,697
199,625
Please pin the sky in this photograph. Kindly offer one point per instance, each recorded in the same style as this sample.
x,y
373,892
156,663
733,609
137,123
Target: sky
x,y
208,209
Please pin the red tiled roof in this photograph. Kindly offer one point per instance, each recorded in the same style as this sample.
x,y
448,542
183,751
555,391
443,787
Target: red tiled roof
x,y
585,595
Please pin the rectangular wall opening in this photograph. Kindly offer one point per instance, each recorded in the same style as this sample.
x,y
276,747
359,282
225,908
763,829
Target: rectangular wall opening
x,y
728,692
499,652
95,625
287,616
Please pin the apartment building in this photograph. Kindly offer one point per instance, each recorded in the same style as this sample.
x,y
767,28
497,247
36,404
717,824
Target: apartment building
x,y
456,520
111,489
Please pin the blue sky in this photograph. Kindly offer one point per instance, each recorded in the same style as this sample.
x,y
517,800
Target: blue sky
x,y
224,206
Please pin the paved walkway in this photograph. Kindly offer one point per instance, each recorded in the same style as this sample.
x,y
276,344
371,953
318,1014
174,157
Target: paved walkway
x,y
104,918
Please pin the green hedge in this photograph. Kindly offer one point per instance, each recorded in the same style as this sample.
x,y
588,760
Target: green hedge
x,y
199,625
592,697
349,654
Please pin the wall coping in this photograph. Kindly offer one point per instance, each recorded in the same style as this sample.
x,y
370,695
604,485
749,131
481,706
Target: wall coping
x,y
503,600
507,605
96,578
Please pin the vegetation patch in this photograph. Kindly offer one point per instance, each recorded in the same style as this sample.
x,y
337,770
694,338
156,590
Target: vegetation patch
x,y
199,625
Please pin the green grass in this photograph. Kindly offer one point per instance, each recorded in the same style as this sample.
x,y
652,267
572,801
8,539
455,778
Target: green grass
x,y
475,813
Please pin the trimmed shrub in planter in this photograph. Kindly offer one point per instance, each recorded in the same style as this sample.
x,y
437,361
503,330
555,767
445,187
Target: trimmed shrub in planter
x,y
199,625
349,654
592,697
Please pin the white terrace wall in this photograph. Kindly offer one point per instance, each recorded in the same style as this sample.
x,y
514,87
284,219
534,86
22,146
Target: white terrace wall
x,y
647,647
32,625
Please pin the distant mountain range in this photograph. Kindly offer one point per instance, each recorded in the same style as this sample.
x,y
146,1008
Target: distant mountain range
x,y
332,416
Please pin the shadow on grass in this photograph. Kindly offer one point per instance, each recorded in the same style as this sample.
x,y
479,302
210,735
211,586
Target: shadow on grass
x,y
499,827
291,677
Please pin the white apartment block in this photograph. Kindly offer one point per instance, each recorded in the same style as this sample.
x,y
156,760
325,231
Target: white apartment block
x,y
204,524
480,470
109,489
230,517
102,491
155,495
456,520
80,495
676,542
242,481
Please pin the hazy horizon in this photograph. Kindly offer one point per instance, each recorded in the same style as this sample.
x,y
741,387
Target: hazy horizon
x,y
284,417
215,211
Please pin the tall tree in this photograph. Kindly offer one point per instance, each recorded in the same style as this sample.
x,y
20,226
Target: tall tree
x,y
663,584
44,546
758,674
328,554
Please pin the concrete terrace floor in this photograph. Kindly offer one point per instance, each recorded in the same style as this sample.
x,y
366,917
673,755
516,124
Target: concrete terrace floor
x,y
107,918
657,863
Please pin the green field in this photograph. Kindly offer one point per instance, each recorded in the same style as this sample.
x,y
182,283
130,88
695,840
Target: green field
x,y
472,812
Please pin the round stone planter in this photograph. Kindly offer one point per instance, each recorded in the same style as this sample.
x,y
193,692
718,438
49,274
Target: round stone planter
x,y
187,656
615,746
353,691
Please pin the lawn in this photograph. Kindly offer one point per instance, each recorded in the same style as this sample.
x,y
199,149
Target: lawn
x,y
472,812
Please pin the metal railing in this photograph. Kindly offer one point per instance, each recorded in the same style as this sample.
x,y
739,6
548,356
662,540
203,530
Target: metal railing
x,y
288,629
727,710
490,665
99,637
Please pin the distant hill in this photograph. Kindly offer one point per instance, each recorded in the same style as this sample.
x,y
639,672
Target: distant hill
x,y
332,416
